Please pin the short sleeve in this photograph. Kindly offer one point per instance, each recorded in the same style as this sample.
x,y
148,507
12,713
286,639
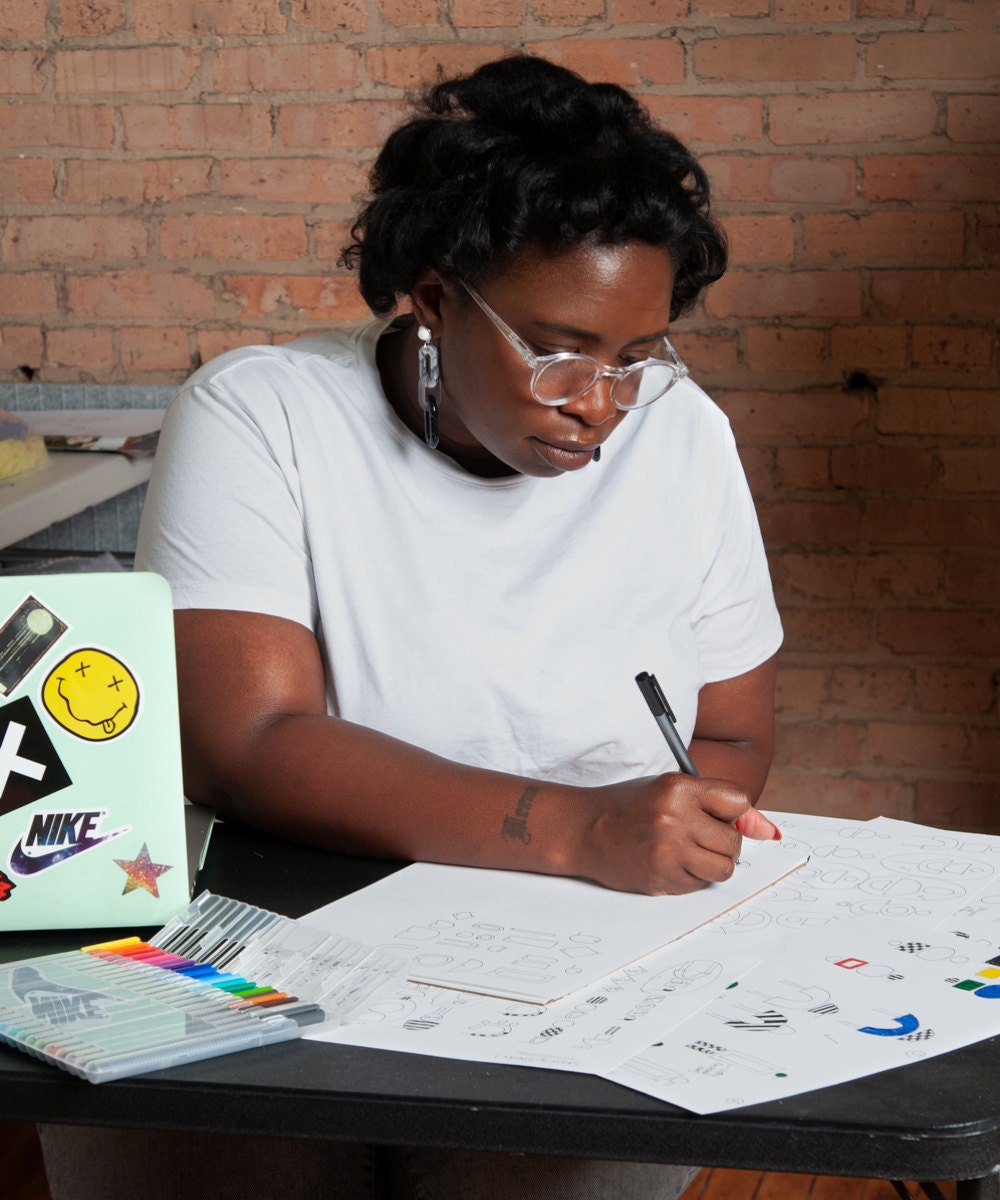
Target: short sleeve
x,y
736,623
222,520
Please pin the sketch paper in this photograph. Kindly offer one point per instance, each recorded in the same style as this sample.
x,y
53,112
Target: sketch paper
x,y
825,1006
528,937
885,869
592,1030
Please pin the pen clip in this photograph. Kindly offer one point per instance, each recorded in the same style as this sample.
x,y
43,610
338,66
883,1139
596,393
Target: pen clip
x,y
655,698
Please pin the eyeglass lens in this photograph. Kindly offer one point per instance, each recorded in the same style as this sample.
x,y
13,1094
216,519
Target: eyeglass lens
x,y
569,377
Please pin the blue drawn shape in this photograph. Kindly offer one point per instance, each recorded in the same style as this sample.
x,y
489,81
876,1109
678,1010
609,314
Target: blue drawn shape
x,y
990,992
905,1024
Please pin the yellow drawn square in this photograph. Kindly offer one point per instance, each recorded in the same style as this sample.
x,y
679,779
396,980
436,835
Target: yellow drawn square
x,y
989,973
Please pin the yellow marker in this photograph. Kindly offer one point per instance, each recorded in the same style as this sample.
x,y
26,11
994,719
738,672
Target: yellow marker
x,y
91,694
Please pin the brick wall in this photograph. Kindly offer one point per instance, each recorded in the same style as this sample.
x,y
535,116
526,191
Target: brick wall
x,y
176,176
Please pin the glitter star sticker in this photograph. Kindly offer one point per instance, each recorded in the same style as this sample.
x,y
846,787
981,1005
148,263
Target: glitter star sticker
x,y
142,872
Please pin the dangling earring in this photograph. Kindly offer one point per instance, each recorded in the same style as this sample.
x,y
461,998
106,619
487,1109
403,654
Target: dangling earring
x,y
428,380
597,454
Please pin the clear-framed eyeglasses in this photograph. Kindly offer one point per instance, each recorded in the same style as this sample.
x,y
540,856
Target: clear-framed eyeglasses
x,y
559,378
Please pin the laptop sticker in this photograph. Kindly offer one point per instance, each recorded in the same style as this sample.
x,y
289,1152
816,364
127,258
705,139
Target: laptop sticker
x,y
91,694
25,637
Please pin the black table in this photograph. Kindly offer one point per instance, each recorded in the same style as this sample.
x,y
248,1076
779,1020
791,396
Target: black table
x,y
934,1120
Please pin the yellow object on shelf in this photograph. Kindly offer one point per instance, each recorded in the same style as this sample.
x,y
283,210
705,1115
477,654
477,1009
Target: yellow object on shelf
x,y
21,450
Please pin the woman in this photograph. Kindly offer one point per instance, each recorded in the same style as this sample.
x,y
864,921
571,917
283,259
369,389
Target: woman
x,y
417,565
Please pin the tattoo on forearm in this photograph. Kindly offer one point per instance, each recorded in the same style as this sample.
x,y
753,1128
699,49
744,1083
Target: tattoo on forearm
x,y
516,827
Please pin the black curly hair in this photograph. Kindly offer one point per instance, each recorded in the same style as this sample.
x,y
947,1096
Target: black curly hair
x,y
526,153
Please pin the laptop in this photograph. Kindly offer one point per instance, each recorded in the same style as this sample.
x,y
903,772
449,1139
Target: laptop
x,y
94,828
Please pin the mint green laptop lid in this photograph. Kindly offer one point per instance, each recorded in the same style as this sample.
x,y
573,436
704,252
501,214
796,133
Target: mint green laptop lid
x,y
92,824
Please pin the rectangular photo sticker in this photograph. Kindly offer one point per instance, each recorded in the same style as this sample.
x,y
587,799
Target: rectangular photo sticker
x,y
25,637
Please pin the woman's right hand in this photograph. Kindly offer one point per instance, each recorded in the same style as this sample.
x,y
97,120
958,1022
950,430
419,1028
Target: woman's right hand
x,y
666,834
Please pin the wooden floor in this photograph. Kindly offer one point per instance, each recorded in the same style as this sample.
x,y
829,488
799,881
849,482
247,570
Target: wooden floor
x,y
23,1178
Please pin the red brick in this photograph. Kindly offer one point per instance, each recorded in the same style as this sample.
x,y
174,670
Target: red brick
x,y
63,239
973,578
247,238
20,73
779,348
310,66
843,797
883,8
864,579
731,8
145,69
155,350
330,237
157,295
757,467
758,177
567,12
409,12
416,64
245,18
181,19
950,178
983,752
97,180
824,118
954,690
28,294
329,15
775,58
826,631
976,469
27,180
302,180
809,523
706,353
773,294
969,523
625,12
973,118
213,342
913,237
84,126
631,62
303,297
755,239
803,467
20,346
948,348
918,744
929,294
872,689
882,468
709,119
812,10
764,416
22,19
800,690
926,55
952,804
931,412
487,14
951,633
869,347
820,744
160,127
90,18
363,123
89,349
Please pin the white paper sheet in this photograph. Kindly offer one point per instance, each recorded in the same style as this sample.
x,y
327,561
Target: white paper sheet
x,y
827,1005
532,938
592,1030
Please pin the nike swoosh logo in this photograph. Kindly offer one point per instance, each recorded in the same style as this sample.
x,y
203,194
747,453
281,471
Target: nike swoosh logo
x,y
22,863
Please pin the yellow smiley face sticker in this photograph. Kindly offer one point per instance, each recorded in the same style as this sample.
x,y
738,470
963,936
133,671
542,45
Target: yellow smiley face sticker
x,y
91,694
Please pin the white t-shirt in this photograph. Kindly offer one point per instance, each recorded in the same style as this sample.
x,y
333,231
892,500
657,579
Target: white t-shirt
x,y
498,622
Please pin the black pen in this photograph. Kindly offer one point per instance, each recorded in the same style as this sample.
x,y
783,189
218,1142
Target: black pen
x,y
666,720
